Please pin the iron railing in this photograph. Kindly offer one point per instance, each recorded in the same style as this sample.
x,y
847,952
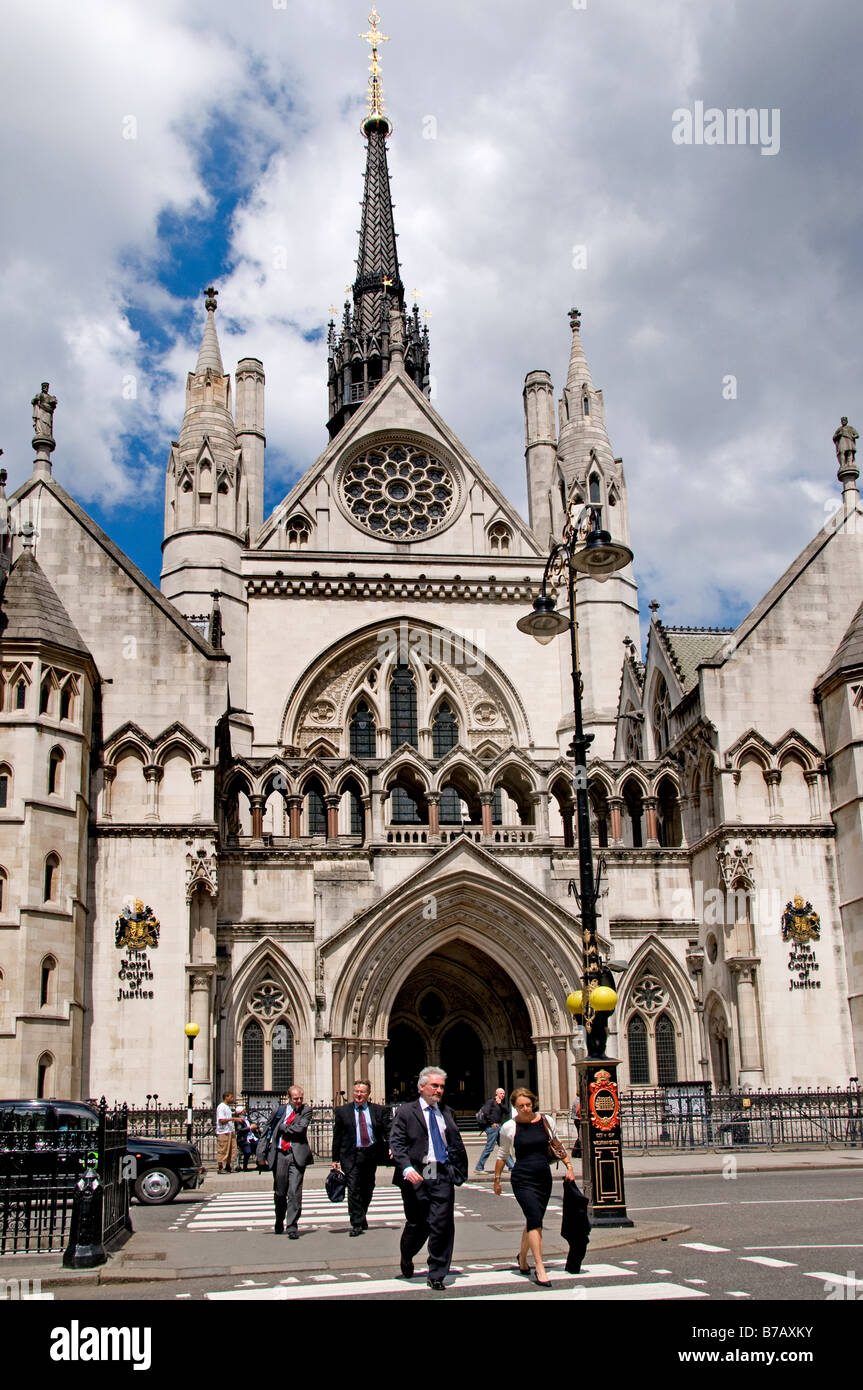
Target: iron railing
x,y
693,1116
39,1168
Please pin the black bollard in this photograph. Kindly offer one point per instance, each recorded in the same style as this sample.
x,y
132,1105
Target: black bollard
x,y
85,1249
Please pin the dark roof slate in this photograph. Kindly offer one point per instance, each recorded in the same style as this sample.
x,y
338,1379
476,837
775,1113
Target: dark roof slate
x,y
849,653
32,610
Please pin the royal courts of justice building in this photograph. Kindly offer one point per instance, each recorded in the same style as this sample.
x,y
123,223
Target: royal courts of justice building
x,y
313,794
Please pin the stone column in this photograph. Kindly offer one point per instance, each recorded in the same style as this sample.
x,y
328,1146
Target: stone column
x,y
539,801
812,781
196,784
257,804
379,815
546,1078
295,811
771,777
486,801
364,1058
337,1069
651,824
567,814
367,819
615,806
153,774
201,1013
332,805
561,1048
749,1037
108,775
433,803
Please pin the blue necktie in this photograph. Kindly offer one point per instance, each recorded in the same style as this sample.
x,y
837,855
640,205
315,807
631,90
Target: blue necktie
x,y
438,1145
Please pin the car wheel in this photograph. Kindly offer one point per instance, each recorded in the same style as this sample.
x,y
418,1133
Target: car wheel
x,y
157,1185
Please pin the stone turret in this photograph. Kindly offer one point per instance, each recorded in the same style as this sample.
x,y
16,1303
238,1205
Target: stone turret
x,y
214,493
540,451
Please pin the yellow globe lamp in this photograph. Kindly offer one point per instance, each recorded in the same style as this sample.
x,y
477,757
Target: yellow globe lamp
x,y
573,1002
191,1030
603,999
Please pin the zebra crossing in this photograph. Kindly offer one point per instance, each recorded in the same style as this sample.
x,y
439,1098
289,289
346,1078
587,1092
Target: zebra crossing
x,y
253,1211
473,1282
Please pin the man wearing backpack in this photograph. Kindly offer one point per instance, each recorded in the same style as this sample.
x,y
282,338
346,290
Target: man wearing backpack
x,y
490,1118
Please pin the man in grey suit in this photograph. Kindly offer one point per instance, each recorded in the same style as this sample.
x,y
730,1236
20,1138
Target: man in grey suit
x,y
288,1156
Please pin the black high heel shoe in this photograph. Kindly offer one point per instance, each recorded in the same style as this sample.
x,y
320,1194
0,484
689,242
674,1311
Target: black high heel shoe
x,y
522,1269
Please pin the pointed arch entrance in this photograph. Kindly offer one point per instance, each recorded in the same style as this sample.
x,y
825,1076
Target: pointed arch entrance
x,y
465,940
460,1009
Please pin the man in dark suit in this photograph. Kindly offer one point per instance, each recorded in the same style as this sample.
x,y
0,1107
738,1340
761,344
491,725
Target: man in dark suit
x,y
288,1155
360,1142
429,1156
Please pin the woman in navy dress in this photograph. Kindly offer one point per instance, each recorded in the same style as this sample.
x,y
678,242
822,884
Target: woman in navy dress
x,y
527,1138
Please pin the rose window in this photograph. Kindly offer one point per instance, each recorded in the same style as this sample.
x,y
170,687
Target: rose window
x,y
267,1000
648,994
399,492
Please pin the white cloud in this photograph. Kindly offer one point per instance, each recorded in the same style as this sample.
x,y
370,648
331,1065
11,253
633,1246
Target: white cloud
x,y
701,261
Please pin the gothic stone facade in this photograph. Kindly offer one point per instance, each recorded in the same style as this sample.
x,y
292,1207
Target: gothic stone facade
x,y
328,779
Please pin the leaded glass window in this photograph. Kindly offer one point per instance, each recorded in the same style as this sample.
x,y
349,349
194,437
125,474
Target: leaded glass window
x,y
450,807
405,807
357,813
317,811
444,731
253,1057
362,732
639,1066
283,1057
403,708
666,1053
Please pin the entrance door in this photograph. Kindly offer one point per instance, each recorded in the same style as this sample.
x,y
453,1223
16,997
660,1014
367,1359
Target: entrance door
x,y
461,1057
404,1060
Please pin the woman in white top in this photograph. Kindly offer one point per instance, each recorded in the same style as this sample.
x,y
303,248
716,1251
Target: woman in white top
x,y
527,1138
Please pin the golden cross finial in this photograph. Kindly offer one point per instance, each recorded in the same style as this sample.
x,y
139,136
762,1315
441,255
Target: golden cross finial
x,y
374,37
387,282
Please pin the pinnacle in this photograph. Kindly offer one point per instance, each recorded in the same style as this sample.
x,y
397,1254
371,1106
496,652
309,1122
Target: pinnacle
x,y
210,355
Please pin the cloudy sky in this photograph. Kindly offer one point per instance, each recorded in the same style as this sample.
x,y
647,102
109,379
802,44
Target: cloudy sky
x,y
148,150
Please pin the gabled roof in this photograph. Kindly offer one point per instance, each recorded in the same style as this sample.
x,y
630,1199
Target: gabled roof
x,y
849,653
32,611
129,568
688,647
420,416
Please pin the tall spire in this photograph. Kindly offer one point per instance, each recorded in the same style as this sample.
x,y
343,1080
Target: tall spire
x,y
210,356
360,355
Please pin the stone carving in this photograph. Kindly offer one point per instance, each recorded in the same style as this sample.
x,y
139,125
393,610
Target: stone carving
x,y
649,994
735,864
399,492
44,406
845,440
202,870
322,712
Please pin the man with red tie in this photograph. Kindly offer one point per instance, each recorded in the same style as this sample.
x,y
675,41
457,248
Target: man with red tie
x,y
360,1142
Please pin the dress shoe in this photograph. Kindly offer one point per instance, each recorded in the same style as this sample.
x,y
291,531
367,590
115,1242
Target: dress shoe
x,y
541,1283
437,1284
356,1230
365,1225
407,1268
279,1228
293,1235
522,1269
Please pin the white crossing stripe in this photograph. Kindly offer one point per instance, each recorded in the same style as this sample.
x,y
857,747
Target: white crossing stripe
x,y
767,1262
254,1210
738,1293
708,1249
848,1281
616,1293
350,1289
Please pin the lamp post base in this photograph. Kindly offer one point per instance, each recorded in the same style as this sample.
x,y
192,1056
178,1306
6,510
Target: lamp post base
x,y
602,1151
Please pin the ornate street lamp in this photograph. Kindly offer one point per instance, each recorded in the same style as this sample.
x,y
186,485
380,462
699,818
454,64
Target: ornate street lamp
x,y
587,550
191,1030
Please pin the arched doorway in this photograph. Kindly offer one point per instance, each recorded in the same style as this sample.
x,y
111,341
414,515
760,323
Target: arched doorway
x,y
459,1009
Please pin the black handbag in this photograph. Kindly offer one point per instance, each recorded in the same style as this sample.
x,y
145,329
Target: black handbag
x,y
336,1185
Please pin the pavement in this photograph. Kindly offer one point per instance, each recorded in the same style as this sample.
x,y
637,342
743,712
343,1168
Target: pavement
x,y
174,1250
